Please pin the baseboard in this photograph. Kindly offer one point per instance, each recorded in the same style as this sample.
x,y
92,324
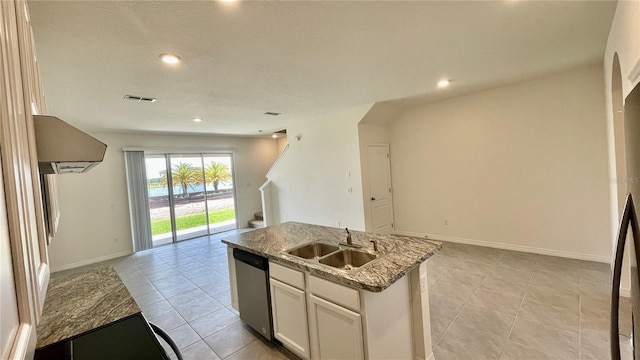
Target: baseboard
x,y
90,261
528,249
625,292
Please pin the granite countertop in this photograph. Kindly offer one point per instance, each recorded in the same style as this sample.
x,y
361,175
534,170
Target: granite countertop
x,y
399,254
77,303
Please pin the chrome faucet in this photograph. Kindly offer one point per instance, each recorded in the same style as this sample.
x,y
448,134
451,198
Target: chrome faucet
x,y
375,245
349,242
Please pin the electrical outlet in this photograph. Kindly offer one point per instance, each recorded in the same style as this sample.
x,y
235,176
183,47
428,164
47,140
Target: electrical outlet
x,y
115,239
338,223
446,221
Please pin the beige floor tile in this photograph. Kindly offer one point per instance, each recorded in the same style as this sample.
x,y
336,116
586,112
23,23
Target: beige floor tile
x,y
515,351
496,301
231,339
187,297
487,321
141,289
199,351
463,277
156,308
517,263
510,274
471,343
473,267
596,276
214,322
490,257
550,315
223,297
439,325
444,307
437,271
168,321
557,343
198,308
508,288
257,350
442,353
184,336
452,290
440,259
565,280
149,298
595,307
594,328
546,295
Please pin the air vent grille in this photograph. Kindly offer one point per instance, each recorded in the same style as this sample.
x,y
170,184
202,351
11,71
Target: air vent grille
x,y
139,98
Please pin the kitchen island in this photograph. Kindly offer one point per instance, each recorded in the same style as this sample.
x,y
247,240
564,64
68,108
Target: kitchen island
x,y
92,315
377,310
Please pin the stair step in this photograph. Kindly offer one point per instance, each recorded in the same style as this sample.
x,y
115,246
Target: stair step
x,y
258,224
258,215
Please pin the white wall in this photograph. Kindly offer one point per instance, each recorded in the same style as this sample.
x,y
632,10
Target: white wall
x,y
311,182
369,135
94,222
624,40
521,166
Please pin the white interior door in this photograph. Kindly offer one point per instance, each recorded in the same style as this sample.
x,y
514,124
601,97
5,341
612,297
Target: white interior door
x,y
380,195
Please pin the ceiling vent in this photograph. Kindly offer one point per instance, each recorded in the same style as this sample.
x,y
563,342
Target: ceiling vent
x,y
139,98
272,113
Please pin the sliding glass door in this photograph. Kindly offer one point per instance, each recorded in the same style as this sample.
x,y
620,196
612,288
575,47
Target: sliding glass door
x,y
200,200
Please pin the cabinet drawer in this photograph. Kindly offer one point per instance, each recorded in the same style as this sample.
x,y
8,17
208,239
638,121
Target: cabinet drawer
x,y
286,275
339,294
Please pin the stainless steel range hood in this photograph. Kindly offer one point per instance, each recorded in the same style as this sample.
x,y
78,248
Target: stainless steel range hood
x,y
63,149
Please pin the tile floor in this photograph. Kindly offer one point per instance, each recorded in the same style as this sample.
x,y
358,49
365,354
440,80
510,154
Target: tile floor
x,y
496,304
485,303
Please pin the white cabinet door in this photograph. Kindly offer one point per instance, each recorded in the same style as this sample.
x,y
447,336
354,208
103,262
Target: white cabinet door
x,y
290,317
336,332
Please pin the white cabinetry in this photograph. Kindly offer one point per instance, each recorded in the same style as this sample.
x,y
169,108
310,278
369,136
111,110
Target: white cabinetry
x,y
289,309
336,332
290,317
320,319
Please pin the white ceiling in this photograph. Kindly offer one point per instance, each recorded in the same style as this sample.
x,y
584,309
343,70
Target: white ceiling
x,y
300,58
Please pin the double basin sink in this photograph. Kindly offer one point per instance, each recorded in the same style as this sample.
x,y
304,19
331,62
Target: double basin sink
x,y
332,255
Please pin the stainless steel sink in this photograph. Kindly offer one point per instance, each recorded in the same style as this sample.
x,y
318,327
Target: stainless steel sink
x,y
314,250
348,259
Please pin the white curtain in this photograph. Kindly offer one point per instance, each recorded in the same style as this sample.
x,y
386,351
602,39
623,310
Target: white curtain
x,y
138,200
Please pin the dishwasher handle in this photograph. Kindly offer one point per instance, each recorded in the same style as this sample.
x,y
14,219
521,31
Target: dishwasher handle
x,y
253,260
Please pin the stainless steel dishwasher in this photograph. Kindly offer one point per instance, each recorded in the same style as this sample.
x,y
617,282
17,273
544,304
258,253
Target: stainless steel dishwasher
x,y
252,273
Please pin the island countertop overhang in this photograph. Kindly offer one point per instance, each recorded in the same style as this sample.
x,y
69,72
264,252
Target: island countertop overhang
x,y
399,254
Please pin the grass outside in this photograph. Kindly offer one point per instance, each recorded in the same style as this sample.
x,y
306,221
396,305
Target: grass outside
x,y
189,221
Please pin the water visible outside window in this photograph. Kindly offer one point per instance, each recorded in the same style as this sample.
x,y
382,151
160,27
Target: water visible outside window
x,y
201,197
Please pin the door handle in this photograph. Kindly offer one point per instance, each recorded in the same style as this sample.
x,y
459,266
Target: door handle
x,y
373,199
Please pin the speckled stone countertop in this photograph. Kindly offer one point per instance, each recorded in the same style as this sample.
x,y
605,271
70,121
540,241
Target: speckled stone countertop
x,y
399,254
77,303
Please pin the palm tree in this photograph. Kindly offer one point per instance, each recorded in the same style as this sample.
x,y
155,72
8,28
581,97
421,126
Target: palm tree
x,y
184,174
216,173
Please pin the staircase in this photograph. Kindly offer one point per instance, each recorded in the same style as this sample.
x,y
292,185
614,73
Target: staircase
x,y
258,221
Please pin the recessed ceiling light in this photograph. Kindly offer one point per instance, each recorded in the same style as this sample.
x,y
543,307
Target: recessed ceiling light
x,y
275,136
443,83
171,59
197,119
228,1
